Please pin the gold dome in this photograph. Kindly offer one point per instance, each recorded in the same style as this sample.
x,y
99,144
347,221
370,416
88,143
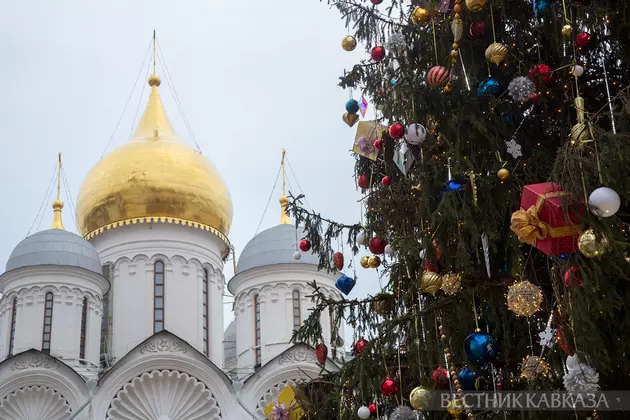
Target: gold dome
x,y
154,178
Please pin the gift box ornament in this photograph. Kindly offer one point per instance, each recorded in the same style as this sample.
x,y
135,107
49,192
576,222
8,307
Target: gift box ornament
x,y
290,404
367,133
543,222
403,159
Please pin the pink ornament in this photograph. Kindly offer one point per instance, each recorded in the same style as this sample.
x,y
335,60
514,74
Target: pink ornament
x,y
438,76
572,277
377,53
477,29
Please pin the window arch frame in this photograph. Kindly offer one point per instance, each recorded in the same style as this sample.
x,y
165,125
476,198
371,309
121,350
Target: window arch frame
x,y
159,292
47,317
297,309
83,335
13,324
205,308
257,332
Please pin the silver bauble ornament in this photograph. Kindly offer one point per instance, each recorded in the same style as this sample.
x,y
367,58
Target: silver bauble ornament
x,y
403,413
363,412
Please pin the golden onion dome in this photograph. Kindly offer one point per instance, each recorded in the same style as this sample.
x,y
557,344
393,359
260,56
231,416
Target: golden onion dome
x,y
154,178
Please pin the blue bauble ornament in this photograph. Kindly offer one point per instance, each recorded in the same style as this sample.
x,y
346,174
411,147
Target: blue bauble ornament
x,y
490,86
564,256
467,379
345,284
352,106
541,7
481,348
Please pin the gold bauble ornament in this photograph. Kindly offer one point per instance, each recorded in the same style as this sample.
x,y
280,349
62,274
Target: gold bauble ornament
x,y
534,367
419,15
419,398
383,306
503,174
591,245
430,282
455,407
374,261
476,5
451,283
579,134
524,298
348,43
496,53
567,30
365,262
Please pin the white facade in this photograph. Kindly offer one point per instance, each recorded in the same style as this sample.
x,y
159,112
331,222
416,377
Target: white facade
x,y
27,287
186,252
275,287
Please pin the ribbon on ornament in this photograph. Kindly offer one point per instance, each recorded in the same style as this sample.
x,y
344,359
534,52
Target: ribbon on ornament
x,y
529,228
279,412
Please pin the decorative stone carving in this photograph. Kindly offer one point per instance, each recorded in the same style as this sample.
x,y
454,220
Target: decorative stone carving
x,y
297,356
35,361
162,395
34,403
163,345
269,397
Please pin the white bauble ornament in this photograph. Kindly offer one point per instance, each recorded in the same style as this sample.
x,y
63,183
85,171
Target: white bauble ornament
x,y
605,202
363,412
362,238
577,70
389,250
416,134
423,253
297,255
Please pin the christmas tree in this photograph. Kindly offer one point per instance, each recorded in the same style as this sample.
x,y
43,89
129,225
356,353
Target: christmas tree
x,y
494,179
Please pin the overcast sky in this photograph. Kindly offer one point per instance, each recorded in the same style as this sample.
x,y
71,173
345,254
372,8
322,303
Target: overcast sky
x,y
253,77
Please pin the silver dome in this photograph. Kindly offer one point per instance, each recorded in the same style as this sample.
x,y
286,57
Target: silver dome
x,y
55,247
274,246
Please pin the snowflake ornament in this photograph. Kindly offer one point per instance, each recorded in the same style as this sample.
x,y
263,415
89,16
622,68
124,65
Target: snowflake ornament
x,y
514,149
546,337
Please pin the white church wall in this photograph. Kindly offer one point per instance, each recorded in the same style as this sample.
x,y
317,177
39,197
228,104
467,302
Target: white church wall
x,y
185,251
69,286
274,286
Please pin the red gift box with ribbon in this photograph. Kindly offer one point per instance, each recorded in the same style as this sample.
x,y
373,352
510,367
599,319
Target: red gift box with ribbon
x,y
543,221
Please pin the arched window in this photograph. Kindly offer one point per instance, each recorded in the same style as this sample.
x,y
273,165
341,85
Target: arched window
x,y
158,297
205,316
83,343
257,336
297,318
48,313
13,321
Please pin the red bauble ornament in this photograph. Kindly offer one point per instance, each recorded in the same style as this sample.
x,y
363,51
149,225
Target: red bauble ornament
x,y
440,377
389,387
321,351
376,1
477,29
541,72
305,245
572,277
373,410
338,260
359,346
583,39
364,181
378,144
397,131
377,245
386,181
377,53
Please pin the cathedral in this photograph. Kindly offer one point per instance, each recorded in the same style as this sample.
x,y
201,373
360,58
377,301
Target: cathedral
x,y
124,321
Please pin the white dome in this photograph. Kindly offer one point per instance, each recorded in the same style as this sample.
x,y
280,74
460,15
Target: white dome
x,y
55,247
274,246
